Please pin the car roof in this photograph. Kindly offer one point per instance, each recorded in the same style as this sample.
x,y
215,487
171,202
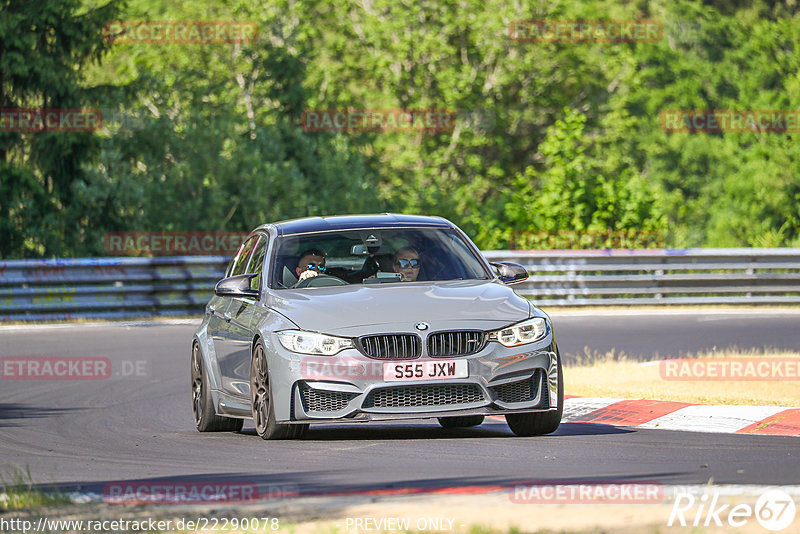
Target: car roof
x,y
355,222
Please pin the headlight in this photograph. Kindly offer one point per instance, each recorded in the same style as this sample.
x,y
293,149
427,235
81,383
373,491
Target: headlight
x,y
525,332
313,343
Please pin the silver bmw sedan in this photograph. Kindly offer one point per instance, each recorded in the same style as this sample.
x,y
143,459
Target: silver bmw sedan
x,y
371,318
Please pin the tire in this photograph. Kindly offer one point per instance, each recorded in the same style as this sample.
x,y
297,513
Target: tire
x,y
539,423
462,421
205,417
261,401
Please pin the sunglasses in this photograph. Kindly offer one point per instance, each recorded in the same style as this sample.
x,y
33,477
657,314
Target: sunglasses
x,y
405,264
313,266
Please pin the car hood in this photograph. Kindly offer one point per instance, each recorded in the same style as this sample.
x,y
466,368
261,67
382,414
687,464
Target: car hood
x,y
347,309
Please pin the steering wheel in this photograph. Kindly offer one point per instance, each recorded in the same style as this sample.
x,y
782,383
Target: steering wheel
x,y
321,280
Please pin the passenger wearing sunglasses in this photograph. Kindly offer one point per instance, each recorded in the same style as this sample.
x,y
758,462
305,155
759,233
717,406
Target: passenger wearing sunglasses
x,y
406,262
312,262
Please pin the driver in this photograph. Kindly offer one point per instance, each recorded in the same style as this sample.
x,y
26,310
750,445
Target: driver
x,y
311,263
406,262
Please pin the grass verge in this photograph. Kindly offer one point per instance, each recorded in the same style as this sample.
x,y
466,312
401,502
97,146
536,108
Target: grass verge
x,y
614,375
18,491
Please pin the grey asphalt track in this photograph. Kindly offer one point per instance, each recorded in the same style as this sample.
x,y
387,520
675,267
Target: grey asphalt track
x,y
656,335
83,434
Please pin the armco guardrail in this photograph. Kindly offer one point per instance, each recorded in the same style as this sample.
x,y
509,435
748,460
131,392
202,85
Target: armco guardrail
x,y
659,276
106,287
128,287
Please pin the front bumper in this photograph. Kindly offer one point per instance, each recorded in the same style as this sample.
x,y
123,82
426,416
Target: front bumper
x,y
350,386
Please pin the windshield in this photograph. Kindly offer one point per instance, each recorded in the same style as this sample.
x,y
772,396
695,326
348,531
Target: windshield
x,y
373,256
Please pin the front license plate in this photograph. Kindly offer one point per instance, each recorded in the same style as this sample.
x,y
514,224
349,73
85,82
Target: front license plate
x,y
427,370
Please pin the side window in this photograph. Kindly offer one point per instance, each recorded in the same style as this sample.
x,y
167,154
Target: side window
x,y
257,263
232,263
240,264
229,268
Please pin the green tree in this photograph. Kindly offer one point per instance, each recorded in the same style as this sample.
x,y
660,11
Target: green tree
x,y
217,144
586,183
547,137
43,48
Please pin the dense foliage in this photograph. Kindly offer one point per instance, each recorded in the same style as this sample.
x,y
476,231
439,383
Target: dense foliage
x,y
548,137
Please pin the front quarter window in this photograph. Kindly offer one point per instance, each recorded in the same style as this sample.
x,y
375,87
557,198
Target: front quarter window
x,y
256,265
239,263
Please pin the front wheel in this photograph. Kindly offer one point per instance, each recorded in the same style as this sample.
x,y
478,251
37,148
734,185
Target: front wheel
x,y
539,423
205,417
261,401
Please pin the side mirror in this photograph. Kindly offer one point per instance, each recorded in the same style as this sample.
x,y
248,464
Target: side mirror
x,y
510,273
237,286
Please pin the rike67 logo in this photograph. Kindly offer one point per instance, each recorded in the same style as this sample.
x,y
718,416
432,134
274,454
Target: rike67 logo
x,y
774,510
